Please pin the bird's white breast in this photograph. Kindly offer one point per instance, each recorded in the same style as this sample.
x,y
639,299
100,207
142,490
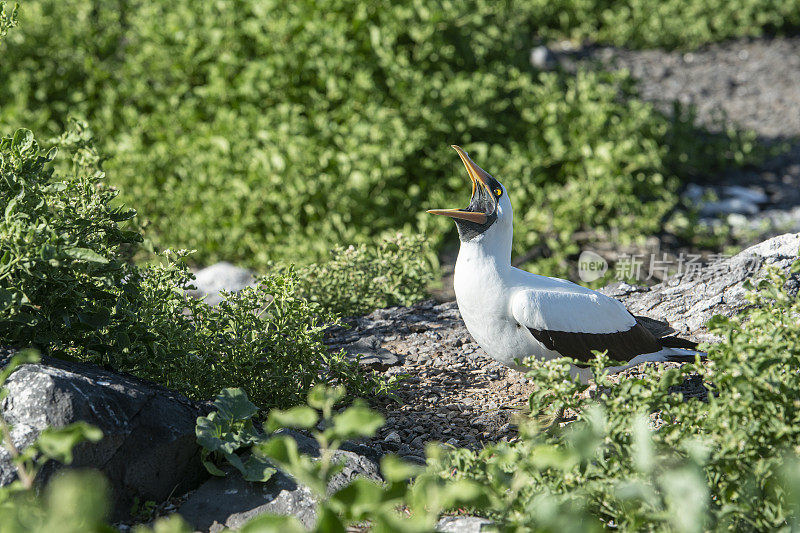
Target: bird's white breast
x,y
483,292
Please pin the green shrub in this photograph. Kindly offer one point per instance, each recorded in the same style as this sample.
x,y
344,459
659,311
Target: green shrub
x,y
229,431
260,131
722,465
68,289
359,279
62,245
7,19
670,24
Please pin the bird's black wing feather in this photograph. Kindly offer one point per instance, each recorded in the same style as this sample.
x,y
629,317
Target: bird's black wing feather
x,y
621,346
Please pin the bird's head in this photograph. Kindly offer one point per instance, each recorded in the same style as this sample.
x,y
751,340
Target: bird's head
x,y
488,208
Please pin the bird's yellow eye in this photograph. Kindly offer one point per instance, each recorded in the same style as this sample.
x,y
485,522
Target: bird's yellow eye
x,y
498,192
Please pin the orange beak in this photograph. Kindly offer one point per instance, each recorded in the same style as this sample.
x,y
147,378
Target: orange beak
x,y
479,178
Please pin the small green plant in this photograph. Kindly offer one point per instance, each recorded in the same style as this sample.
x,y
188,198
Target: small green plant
x,y
229,430
143,511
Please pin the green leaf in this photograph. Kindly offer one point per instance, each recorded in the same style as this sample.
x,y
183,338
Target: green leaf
x,y
300,416
324,398
58,443
643,453
282,449
205,457
354,422
209,431
74,501
358,498
173,523
85,254
464,493
121,216
97,320
23,140
257,469
271,523
232,404
328,521
6,299
395,469
670,378
718,322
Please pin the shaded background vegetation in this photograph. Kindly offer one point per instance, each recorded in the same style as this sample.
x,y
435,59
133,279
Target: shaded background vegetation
x,y
255,131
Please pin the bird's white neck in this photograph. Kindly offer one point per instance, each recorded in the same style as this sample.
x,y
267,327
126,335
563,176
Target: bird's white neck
x,y
488,255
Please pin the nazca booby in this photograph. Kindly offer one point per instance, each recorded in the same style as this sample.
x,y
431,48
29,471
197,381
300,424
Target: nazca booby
x,y
514,314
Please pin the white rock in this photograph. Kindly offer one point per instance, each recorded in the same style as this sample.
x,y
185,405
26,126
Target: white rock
x,y
786,245
694,192
221,276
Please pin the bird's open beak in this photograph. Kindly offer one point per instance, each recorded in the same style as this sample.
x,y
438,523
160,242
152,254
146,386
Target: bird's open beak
x,y
479,178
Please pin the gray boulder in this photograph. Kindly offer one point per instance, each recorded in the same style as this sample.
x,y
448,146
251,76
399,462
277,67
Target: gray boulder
x,y
231,501
223,276
149,448
689,300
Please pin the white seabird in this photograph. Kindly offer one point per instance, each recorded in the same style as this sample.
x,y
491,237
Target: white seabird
x,y
513,314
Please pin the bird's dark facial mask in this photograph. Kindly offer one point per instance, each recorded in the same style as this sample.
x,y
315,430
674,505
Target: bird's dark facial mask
x,y
481,212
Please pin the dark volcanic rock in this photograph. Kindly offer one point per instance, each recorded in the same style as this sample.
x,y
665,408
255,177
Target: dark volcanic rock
x,y
148,449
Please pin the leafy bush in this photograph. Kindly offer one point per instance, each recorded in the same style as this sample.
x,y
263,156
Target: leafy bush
x,y
670,24
724,464
67,288
359,279
7,19
62,259
261,132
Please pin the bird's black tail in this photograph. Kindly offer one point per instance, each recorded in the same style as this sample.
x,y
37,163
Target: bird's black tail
x,y
680,355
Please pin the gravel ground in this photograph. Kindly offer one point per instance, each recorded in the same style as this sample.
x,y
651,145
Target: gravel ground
x,y
754,82
453,393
